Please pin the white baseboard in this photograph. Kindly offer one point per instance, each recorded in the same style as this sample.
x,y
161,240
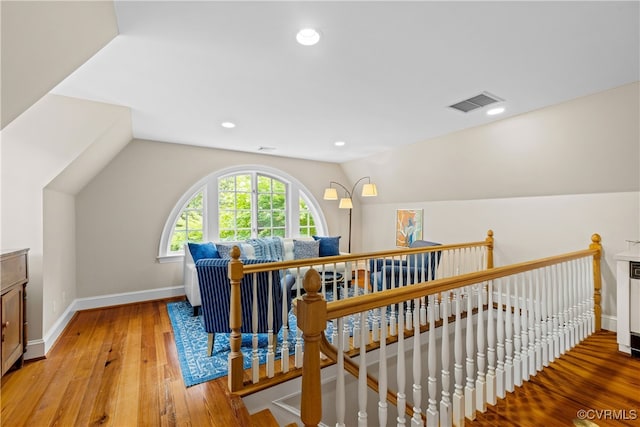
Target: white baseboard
x,y
38,348
609,323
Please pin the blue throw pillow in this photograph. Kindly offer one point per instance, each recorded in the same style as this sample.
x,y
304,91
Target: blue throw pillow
x,y
329,246
203,250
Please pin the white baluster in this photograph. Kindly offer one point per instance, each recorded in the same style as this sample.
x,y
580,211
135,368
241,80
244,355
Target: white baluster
x,y
255,359
575,302
271,356
491,349
458,396
508,342
524,334
568,307
405,280
423,311
382,376
392,320
445,402
547,326
340,389
470,389
517,337
299,342
432,409
401,396
417,372
362,378
556,313
562,310
537,310
481,384
531,318
583,300
500,373
284,352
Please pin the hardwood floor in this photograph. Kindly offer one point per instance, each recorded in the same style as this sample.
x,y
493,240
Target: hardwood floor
x,y
593,379
115,367
118,367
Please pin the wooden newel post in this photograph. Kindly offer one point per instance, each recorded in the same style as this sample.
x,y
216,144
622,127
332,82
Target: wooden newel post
x,y
236,364
489,241
312,314
597,280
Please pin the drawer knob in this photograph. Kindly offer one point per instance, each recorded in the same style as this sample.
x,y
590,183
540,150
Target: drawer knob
x,y
5,324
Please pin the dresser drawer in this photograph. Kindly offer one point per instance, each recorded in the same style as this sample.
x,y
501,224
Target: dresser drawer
x,y
13,270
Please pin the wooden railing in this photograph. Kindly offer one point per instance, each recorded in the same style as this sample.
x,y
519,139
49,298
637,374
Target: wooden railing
x,y
535,311
361,274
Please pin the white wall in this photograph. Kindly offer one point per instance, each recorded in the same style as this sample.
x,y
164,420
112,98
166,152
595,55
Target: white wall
x,y
543,181
56,134
122,211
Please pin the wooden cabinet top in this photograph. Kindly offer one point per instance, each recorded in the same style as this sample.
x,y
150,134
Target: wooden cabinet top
x,y
8,253
14,267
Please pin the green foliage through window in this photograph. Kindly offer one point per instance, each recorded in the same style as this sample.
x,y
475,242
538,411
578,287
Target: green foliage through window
x,y
189,225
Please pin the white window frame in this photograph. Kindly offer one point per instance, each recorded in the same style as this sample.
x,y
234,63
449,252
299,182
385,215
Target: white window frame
x,y
209,186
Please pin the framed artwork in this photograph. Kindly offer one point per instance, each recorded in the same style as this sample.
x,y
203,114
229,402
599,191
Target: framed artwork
x,y
409,225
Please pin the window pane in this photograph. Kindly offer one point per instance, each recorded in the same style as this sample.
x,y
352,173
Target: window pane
x,y
243,183
264,201
194,220
243,234
279,186
264,184
243,200
195,236
279,218
279,201
264,219
226,200
280,232
189,220
227,184
243,219
226,235
178,239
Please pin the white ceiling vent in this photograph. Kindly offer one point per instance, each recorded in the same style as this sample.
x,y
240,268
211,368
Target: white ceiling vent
x,y
475,102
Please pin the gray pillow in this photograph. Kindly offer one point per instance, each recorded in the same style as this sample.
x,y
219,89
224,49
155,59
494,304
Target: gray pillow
x,y
306,249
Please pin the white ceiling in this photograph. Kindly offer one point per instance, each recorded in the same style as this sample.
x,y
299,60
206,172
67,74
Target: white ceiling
x,y
382,75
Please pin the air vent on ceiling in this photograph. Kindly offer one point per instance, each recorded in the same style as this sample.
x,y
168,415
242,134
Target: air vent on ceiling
x,y
264,148
475,102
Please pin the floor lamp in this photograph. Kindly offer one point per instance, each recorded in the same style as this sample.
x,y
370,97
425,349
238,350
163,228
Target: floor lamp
x,y
368,190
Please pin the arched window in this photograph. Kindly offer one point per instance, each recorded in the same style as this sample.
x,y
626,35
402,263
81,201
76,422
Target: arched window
x,y
237,204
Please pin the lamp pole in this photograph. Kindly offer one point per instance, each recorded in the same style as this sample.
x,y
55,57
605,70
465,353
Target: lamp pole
x,y
350,195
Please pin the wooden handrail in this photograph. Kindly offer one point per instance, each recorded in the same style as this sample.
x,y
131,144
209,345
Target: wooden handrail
x,y
281,265
310,403
357,304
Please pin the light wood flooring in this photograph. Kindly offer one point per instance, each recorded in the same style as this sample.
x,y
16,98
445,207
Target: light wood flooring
x,y
118,367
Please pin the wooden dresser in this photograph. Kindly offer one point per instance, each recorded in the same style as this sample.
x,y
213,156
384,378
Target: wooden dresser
x,y
14,269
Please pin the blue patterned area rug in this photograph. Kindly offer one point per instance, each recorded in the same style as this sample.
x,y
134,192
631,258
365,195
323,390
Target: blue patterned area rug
x,y
191,342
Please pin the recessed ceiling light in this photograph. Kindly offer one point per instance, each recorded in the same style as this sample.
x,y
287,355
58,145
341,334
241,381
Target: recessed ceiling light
x,y
339,143
308,37
228,125
494,111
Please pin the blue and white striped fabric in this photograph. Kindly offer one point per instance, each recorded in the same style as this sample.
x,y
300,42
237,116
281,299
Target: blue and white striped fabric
x,y
215,292
267,248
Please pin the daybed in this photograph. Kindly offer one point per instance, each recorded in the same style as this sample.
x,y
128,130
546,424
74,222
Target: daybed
x,y
273,249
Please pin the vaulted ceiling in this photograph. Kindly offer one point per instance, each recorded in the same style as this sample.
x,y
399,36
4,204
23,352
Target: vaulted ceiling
x,y
382,75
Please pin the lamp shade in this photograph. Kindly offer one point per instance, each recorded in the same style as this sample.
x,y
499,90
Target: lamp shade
x,y
345,203
369,190
330,194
